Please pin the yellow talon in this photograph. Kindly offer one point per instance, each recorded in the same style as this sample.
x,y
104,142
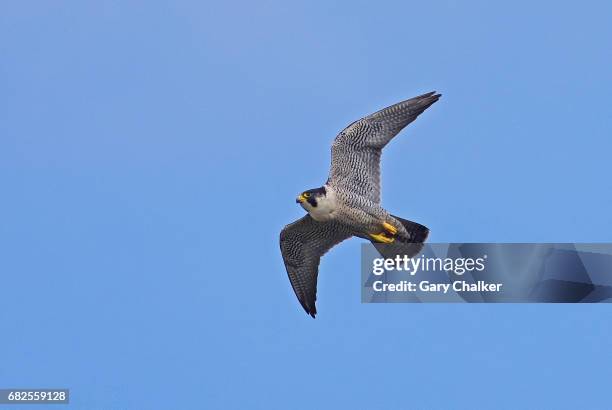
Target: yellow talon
x,y
381,238
390,228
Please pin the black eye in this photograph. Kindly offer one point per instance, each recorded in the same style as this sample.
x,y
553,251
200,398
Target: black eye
x,y
306,195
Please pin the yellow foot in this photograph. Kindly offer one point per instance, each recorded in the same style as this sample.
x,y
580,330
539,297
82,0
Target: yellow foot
x,y
381,238
391,230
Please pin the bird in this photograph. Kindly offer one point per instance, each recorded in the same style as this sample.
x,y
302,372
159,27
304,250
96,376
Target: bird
x,y
348,204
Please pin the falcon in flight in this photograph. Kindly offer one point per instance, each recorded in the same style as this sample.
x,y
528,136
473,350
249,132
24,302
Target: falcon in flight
x,y
349,202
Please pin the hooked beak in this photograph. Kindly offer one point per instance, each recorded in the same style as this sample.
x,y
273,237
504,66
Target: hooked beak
x,y
300,199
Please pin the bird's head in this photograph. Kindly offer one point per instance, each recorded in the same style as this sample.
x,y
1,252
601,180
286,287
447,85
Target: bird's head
x,y
311,198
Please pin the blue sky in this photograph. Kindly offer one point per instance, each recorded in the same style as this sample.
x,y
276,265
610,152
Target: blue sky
x,y
150,153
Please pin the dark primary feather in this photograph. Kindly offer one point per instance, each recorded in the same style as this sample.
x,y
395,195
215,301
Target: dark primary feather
x,y
389,121
356,151
302,244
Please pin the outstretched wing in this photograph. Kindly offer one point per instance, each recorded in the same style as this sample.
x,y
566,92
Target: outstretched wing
x,y
302,244
356,150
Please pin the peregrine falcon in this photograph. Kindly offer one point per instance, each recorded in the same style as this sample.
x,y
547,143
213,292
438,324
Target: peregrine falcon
x,y
349,202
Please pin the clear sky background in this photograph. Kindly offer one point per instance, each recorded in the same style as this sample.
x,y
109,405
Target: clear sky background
x,y
150,153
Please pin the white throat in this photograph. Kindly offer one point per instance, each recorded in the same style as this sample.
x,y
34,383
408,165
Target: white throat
x,y
326,206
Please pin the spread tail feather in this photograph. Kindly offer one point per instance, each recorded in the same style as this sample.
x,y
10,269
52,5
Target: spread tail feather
x,y
418,235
